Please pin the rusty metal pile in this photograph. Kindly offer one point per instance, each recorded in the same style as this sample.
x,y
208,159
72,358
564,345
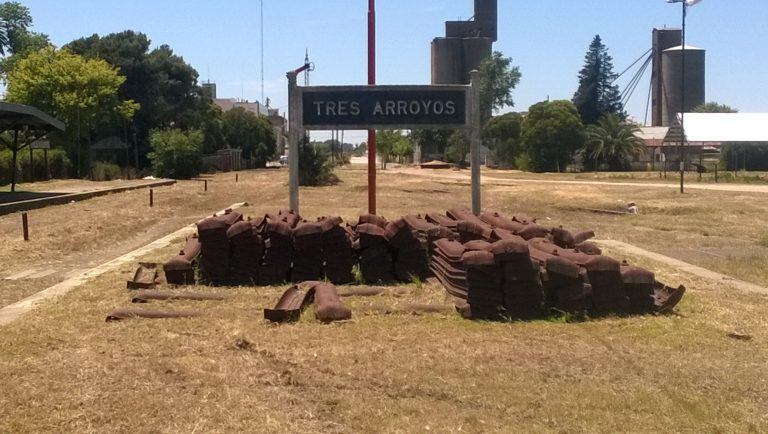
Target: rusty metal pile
x,y
328,305
495,267
514,268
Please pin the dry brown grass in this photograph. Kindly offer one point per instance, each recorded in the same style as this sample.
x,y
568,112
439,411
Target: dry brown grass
x,y
672,177
65,369
85,234
724,223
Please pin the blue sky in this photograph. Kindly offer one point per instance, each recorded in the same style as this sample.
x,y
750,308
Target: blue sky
x,y
546,38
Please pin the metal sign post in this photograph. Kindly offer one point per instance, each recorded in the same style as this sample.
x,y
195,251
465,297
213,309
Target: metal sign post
x,y
475,139
383,107
294,136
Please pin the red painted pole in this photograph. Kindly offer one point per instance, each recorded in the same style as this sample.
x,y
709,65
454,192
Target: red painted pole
x,y
371,82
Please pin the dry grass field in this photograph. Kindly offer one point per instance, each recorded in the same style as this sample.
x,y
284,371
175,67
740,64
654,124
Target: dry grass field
x,y
723,177
65,369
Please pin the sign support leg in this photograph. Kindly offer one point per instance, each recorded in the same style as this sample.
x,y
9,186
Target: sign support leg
x,y
293,143
475,138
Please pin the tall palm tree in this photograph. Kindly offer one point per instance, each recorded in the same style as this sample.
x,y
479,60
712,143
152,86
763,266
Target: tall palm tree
x,y
612,140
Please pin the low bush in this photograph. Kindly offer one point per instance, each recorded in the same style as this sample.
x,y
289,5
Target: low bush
x,y
59,165
315,168
523,162
103,171
176,154
457,149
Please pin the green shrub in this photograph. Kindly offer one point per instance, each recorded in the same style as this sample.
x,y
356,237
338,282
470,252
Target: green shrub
x,y
5,167
103,171
175,153
314,167
58,165
523,162
457,149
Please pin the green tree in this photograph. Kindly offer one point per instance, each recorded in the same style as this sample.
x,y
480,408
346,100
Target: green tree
x,y
614,141
403,150
391,143
360,150
431,142
16,40
163,84
212,126
498,78
15,20
552,132
713,107
251,133
597,95
744,156
502,135
80,92
457,149
315,169
176,154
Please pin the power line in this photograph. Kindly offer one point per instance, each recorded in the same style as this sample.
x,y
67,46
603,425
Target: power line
x,y
648,102
626,95
633,64
262,51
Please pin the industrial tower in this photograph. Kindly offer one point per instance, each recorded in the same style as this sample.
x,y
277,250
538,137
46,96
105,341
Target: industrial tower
x,y
465,45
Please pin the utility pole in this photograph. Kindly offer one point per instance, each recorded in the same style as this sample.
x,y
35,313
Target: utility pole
x,y
262,51
682,106
682,147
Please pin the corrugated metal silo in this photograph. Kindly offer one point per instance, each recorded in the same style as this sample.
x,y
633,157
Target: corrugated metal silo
x,y
672,76
475,51
447,60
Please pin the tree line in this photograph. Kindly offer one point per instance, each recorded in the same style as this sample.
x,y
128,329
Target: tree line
x,y
117,85
591,131
592,127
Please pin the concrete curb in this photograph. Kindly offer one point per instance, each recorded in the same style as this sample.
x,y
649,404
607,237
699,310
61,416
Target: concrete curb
x,y
12,312
26,205
684,266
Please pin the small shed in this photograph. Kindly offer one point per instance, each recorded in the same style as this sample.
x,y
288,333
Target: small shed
x,y
26,125
108,149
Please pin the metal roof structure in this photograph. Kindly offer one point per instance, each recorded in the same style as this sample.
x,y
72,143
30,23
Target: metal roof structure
x,y
726,127
18,118
653,135
15,116
680,48
109,144
710,129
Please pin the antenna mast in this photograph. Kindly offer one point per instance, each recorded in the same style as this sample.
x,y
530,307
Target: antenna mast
x,y
262,50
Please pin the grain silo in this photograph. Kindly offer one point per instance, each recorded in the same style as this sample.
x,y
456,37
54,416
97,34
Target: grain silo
x,y
465,45
673,93
447,61
662,39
